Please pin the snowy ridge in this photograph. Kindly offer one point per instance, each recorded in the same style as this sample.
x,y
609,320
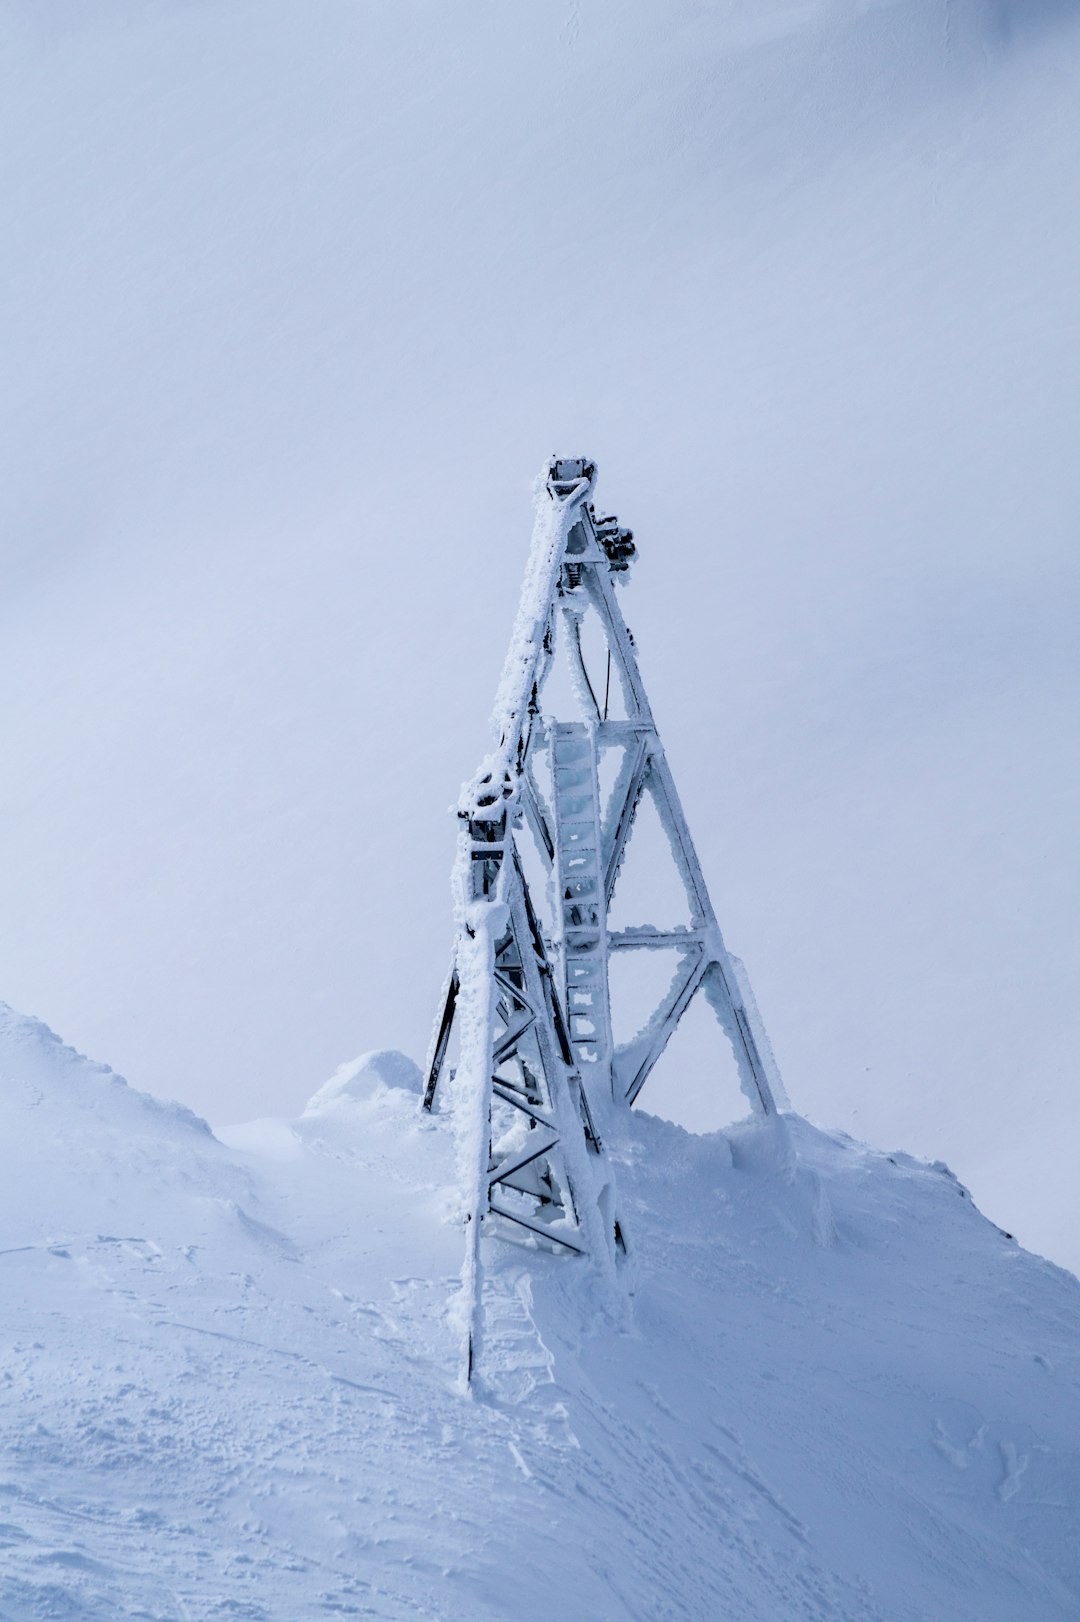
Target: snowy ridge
x,y
229,1379
33,1056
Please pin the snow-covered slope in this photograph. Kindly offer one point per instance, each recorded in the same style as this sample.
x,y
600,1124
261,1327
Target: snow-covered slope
x,y
229,1383
295,300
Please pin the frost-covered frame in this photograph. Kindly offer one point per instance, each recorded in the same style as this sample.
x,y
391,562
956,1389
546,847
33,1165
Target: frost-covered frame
x,y
529,984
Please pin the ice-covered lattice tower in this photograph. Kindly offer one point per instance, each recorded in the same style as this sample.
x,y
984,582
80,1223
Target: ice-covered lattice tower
x,y
538,1073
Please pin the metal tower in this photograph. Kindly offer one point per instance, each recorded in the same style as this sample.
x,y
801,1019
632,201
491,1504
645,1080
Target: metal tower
x,y
529,986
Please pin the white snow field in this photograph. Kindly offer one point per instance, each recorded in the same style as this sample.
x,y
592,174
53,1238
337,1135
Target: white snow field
x,y
295,298
229,1387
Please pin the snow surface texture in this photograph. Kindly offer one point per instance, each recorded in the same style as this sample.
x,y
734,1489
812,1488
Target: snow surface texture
x,y
228,1379
296,298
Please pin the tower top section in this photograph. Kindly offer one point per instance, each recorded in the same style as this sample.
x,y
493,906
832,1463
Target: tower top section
x,y
565,474
572,478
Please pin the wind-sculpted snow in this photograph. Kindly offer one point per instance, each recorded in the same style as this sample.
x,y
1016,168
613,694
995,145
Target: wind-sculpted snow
x,y
228,1381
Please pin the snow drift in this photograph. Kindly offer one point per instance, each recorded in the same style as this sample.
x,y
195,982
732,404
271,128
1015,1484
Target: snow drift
x,y
228,1377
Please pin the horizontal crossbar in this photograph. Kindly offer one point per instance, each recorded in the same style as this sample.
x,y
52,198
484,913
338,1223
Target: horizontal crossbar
x,y
538,1228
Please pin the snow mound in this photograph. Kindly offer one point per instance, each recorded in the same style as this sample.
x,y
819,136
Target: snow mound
x,y
369,1077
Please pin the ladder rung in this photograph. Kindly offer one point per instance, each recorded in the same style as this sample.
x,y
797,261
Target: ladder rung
x,y
579,916
574,833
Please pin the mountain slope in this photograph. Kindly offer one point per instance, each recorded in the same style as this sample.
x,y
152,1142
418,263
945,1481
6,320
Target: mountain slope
x,y
230,1388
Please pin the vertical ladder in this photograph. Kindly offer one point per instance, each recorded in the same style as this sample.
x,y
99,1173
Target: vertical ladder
x,y
581,914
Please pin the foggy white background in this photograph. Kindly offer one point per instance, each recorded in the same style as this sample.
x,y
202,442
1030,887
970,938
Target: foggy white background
x,y
296,299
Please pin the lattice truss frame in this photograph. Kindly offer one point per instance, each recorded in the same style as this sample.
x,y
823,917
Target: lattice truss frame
x,y
538,1068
